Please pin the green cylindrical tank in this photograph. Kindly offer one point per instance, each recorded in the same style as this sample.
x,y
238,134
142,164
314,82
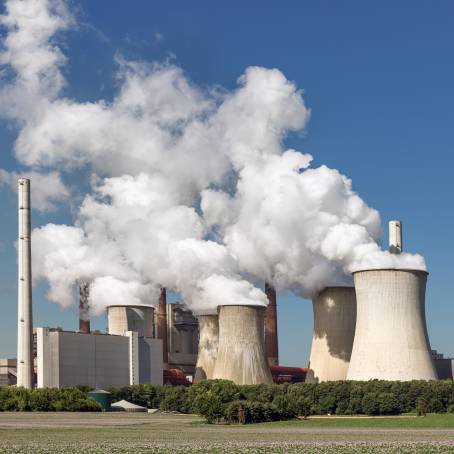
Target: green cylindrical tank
x,y
104,398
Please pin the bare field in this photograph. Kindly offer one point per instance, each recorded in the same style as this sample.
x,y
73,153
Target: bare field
x,y
159,433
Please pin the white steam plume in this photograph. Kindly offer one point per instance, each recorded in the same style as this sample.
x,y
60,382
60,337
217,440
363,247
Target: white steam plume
x,y
158,148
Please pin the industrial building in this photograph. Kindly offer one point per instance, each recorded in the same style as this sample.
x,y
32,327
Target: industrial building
x,y
374,330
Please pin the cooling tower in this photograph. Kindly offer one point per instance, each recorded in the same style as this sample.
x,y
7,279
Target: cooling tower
x,y
84,310
271,340
391,341
208,347
334,330
162,327
25,366
241,353
131,318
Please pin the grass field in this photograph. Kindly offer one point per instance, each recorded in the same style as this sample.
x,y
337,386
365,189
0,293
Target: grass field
x,y
159,433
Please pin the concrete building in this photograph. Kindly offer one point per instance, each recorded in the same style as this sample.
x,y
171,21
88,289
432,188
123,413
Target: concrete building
x,y
334,330
67,358
8,372
443,366
391,341
395,237
208,347
138,318
182,329
241,351
25,373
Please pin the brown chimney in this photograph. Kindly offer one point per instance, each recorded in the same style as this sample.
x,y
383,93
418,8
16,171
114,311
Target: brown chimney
x,y
162,326
271,343
84,315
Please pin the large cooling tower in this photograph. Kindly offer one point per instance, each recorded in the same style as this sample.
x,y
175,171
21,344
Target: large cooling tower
x,y
391,341
208,347
138,318
241,352
334,330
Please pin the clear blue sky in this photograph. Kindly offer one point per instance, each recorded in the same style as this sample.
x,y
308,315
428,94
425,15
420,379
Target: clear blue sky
x,y
378,77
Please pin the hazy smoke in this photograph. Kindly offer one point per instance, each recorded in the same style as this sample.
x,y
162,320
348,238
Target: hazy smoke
x,y
194,187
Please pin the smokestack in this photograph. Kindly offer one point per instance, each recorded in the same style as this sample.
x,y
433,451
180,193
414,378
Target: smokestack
x,y
395,237
334,330
241,350
25,366
162,326
271,339
208,347
391,341
84,308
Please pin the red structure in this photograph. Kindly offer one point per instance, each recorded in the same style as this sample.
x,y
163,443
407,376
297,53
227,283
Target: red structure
x,y
162,326
84,315
271,341
175,377
288,374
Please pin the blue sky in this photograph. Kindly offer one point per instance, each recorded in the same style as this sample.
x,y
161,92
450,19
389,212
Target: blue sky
x,y
377,76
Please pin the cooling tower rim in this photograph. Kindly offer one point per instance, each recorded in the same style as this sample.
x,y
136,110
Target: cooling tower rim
x,y
408,270
259,306
131,305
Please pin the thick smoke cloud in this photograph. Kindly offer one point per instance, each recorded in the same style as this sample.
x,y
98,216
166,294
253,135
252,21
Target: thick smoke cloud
x,y
192,189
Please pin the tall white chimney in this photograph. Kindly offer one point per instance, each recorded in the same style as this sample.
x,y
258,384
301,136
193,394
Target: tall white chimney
x,y
395,237
25,366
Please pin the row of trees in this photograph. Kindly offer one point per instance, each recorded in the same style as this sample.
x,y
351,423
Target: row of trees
x,y
223,400
66,399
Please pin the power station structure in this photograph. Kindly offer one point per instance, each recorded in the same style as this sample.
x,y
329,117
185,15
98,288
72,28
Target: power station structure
x,y
208,347
374,330
334,330
241,350
391,340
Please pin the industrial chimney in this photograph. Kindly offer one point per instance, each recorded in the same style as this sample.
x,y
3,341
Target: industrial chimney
x,y
162,327
391,341
84,309
334,330
271,339
241,353
208,347
25,365
395,237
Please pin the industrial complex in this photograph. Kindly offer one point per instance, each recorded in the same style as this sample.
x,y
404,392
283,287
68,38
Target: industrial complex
x,y
374,330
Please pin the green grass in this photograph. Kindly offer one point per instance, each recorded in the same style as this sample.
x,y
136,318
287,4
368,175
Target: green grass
x,y
431,421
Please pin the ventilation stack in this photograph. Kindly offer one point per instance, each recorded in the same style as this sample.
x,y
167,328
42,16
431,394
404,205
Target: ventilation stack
x,y
137,318
395,237
208,347
162,327
271,339
334,330
391,341
84,309
241,353
25,365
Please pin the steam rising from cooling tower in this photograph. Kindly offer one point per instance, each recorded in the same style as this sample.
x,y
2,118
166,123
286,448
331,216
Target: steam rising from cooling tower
x,y
152,219
241,353
208,347
334,330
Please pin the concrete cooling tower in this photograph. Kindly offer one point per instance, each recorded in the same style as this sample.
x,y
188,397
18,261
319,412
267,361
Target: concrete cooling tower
x,y
391,341
208,347
138,318
241,352
334,330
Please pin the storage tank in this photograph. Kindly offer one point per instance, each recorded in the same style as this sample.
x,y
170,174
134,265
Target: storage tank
x,y
137,318
334,330
391,341
208,347
241,351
